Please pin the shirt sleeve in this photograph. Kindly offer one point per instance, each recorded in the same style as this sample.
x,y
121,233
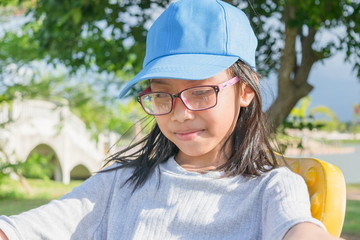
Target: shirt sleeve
x,y
68,217
286,203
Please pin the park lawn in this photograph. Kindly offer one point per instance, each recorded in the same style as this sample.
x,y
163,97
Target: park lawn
x,y
16,206
354,186
14,200
352,218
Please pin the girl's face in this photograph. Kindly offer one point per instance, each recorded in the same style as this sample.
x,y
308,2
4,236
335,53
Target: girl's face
x,y
200,135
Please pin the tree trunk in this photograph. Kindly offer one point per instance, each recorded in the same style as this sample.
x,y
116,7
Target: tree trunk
x,y
283,104
25,184
292,78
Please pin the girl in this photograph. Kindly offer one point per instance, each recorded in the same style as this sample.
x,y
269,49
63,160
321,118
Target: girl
x,y
205,171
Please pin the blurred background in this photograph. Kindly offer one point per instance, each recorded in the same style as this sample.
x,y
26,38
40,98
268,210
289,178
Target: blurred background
x,y
62,65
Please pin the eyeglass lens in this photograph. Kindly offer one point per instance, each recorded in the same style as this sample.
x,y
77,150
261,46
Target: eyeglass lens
x,y
195,99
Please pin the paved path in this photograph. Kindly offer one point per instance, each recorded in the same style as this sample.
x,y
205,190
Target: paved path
x,y
353,194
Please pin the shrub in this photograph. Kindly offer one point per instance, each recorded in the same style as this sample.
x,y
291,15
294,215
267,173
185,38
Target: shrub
x,y
38,166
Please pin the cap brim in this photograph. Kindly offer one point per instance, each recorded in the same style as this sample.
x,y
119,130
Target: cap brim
x,y
182,66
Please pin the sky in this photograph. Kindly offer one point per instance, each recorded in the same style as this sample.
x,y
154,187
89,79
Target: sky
x,y
335,86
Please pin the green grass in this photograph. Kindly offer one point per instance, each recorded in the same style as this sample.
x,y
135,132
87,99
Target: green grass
x,y
16,206
350,141
352,218
353,186
340,142
14,199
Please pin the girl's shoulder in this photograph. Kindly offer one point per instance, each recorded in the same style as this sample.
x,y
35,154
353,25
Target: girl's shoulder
x,y
280,172
279,177
285,182
117,168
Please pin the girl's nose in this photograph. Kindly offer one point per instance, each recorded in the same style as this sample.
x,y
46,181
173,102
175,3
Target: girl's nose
x,y
180,113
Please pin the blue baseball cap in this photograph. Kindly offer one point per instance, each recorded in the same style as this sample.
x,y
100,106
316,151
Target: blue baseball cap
x,y
195,40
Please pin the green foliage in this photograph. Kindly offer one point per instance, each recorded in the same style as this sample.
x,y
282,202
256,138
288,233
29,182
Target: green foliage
x,y
8,189
354,128
299,117
284,140
91,100
302,118
109,36
19,48
319,117
6,168
2,172
326,118
308,17
38,166
112,34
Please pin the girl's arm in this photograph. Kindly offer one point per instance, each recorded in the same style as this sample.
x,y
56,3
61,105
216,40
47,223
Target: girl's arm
x,y
307,231
3,236
78,213
287,207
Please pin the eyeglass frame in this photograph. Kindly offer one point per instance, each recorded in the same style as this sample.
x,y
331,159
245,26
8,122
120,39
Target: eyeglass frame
x,y
217,89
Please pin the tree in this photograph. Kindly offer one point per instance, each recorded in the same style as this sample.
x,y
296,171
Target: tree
x,y
319,117
110,35
96,108
302,118
299,26
327,118
94,105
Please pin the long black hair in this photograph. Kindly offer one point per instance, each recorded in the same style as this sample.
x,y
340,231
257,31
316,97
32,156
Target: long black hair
x,y
252,152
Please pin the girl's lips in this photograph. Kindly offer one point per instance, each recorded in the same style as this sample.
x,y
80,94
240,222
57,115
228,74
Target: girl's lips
x,y
188,135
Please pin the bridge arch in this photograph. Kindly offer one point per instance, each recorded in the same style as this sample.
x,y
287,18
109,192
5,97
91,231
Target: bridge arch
x,y
44,126
46,150
80,172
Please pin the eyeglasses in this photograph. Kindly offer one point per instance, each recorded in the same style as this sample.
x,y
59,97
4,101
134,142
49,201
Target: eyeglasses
x,y
195,99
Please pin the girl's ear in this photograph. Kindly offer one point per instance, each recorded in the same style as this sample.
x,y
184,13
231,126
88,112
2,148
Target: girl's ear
x,y
247,94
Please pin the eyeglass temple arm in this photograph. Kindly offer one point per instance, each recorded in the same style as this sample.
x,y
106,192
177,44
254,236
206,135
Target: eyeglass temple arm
x,y
228,83
148,90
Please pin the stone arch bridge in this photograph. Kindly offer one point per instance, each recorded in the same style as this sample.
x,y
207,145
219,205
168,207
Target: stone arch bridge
x,y
47,127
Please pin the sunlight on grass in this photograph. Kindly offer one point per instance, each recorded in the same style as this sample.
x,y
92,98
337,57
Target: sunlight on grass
x,y
14,199
352,218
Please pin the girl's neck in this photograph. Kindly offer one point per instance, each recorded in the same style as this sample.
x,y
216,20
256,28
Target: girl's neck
x,y
199,164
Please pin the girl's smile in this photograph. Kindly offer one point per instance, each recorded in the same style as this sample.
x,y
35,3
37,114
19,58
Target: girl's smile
x,y
188,135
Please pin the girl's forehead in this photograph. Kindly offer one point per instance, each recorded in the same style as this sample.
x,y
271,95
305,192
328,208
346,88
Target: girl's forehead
x,y
217,79
180,84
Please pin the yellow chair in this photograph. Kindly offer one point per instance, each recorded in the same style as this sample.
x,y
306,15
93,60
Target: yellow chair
x,y
327,190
